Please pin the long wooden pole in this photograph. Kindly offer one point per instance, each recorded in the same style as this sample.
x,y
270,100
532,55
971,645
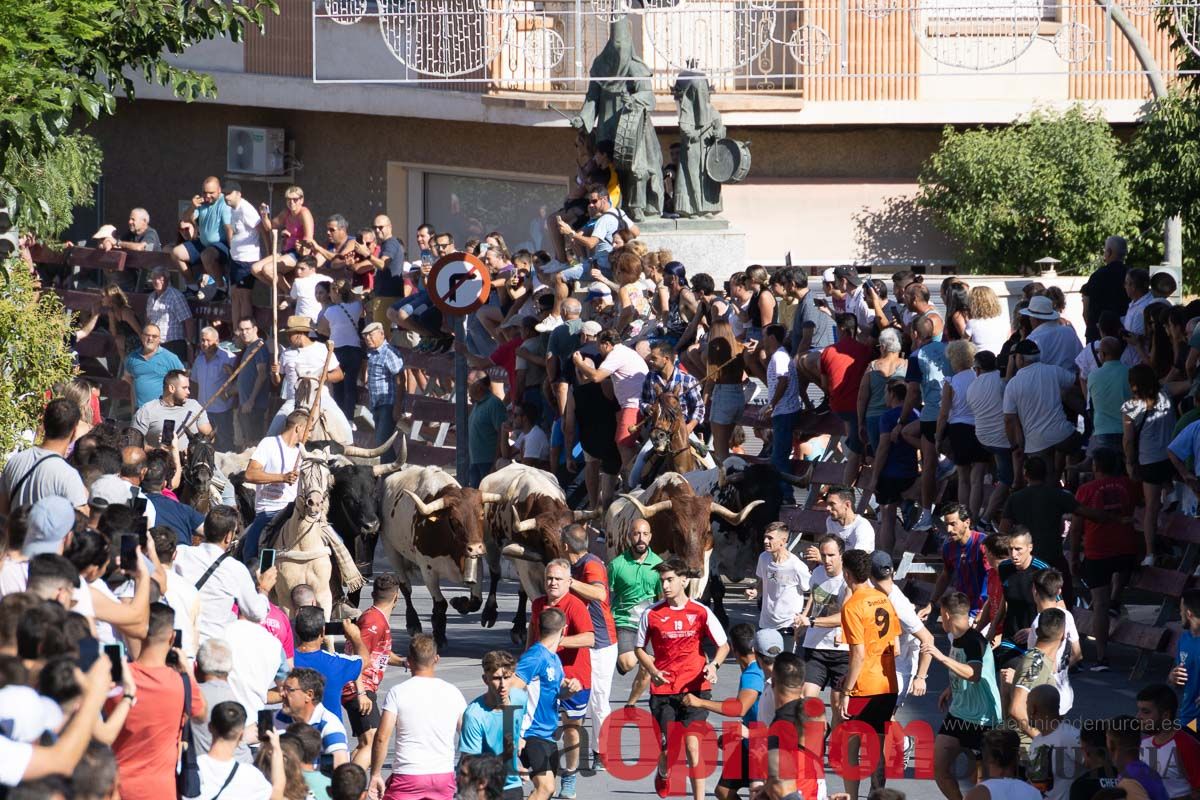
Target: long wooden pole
x,y
275,292
233,376
315,409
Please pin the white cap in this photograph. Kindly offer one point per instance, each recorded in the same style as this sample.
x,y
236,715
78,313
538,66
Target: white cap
x,y
591,328
827,276
105,232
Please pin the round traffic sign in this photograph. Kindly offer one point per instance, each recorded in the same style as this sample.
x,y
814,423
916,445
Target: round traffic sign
x,y
459,283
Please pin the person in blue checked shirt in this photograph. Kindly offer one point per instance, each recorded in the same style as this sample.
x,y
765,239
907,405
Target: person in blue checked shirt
x,y
666,376
385,381
492,723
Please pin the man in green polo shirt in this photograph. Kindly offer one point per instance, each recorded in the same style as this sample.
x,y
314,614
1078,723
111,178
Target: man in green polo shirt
x,y
634,586
483,429
146,369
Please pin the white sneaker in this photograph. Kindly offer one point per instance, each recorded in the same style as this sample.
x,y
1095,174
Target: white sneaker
x,y
925,523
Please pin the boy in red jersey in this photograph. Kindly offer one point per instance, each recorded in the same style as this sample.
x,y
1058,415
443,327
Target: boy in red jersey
x,y
675,628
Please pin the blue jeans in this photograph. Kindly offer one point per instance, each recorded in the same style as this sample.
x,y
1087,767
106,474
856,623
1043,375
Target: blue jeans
x,y
782,427
345,391
385,422
253,534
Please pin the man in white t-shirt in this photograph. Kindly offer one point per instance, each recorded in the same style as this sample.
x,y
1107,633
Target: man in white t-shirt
x,y
531,445
1033,409
1058,343
1055,755
221,774
304,287
783,399
856,532
244,248
783,581
628,371
273,471
305,358
426,714
826,654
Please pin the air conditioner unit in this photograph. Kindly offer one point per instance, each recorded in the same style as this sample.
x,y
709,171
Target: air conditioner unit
x,y
255,151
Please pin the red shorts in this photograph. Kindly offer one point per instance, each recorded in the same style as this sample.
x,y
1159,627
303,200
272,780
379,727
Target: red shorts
x,y
439,786
626,419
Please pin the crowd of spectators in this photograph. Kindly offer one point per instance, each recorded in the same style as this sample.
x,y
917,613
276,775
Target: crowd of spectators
x,y
1061,440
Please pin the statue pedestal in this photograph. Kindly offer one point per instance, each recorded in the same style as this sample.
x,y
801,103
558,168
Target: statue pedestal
x,y
708,245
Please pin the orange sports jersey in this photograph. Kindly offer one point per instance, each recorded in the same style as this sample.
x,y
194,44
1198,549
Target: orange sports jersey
x,y
869,619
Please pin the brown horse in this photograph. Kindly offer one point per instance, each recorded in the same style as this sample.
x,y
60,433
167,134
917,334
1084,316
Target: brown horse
x,y
669,448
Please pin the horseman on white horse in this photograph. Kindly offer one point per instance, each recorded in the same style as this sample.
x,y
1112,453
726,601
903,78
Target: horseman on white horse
x,y
300,367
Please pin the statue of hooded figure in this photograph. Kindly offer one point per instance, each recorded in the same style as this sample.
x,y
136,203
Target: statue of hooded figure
x,y
620,87
696,193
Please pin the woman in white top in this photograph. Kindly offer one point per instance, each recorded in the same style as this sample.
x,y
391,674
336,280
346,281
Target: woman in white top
x,y
956,420
988,328
339,321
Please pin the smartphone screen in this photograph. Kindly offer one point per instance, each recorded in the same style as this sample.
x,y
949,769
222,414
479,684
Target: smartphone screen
x,y
178,638
266,560
89,651
168,431
115,653
266,721
143,530
335,628
129,546
325,764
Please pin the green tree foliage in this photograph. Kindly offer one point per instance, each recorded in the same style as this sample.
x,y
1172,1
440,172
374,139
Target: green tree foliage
x,y
62,64
33,354
1050,184
64,60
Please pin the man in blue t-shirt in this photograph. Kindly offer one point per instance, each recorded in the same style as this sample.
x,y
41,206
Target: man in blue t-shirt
x,y
735,775
540,673
337,669
214,232
491,724
1186,672
927,371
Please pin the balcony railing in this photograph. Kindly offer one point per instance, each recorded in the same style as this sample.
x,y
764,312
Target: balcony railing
x,y
816,49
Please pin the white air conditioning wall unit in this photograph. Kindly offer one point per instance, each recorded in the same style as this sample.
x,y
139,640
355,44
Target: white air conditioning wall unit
x,y
255,151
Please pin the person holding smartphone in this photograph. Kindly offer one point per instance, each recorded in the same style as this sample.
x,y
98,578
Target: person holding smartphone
x,y
338,669
147,748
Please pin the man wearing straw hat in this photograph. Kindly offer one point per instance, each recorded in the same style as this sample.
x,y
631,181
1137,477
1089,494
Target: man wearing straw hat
x,y
303,358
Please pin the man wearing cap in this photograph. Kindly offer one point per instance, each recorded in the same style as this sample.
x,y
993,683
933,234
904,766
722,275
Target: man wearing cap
x,y
600,305
847,281
42,470
1058,343
916,642
51,520
628,373
1033,411
385,381
303,358
835,296
244,250
146,369
212,368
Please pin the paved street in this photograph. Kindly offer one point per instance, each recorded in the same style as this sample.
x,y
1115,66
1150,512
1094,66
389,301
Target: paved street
x,y
1096,694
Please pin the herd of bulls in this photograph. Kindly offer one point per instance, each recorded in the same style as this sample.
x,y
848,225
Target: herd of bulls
x,y
430,524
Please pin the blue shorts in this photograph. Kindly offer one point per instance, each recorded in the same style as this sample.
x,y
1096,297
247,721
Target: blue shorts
x,y
571,273
853,443
873,432
1004,465
575,706
195,248
240,275
728,401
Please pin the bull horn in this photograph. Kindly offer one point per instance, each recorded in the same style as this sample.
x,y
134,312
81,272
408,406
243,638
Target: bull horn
x,y
370,452
427,509
735,519
798,480
491,497
721,476
517,551
521,525
737,477
651,510
584,516
383,470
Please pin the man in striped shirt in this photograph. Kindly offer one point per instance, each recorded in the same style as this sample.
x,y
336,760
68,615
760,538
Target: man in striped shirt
x,y
962,560
302,691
